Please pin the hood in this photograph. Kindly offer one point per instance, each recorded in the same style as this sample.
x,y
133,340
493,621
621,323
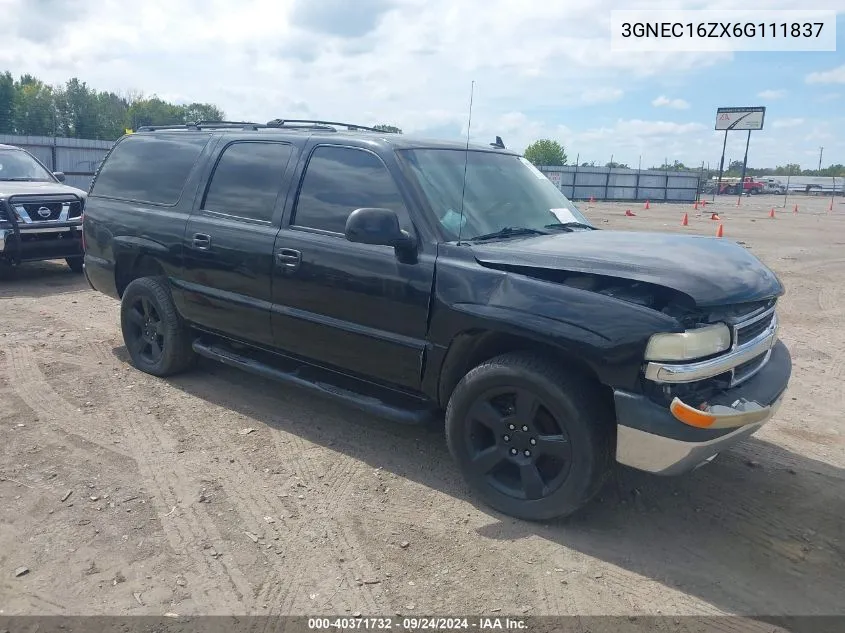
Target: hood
x,y
711,271
19,188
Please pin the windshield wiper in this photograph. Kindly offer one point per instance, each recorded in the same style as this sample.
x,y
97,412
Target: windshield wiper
x,y
509,231
569,225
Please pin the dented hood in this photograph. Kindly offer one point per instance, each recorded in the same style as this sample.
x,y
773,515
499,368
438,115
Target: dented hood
x,y
709,270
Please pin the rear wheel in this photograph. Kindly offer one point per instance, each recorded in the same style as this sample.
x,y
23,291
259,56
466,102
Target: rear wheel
x,y
75,263
158,340
532,439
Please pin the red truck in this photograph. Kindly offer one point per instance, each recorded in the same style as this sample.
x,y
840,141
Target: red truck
x,y
749,186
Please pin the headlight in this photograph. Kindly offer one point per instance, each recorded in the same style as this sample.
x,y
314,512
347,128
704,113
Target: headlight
x,y
703,341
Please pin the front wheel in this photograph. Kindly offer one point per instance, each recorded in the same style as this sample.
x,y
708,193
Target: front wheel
x,y
532,439
159,342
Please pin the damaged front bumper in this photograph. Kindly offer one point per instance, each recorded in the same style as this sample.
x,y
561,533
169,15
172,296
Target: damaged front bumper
x,y
677,439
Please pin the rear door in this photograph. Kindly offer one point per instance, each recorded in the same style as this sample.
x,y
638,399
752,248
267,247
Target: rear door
x,y
229,239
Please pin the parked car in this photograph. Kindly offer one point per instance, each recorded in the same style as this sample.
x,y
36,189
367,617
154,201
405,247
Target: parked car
x,y
40,218
416,279
774,187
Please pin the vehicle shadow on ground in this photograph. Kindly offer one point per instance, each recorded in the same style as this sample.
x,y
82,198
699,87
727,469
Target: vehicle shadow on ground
x,y
40,279
760,531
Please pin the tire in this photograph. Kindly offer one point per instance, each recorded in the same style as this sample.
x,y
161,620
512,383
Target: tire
x,y
569,437
75,263
158,340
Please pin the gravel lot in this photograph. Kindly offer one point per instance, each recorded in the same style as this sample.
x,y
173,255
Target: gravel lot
x,y
217,492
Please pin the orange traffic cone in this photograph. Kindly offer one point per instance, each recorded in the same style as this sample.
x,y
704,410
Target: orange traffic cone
x,y
629,213
647,205
715,216
795,210
695,206
738,201
704,203
720,231
685,221
772,213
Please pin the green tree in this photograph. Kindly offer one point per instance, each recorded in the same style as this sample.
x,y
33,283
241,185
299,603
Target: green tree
x,y
546,152
77,110
35,111
614,165
153,111
387,128
675,166
196,112
8,96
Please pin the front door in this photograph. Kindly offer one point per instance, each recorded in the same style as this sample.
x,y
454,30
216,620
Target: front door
x,y
229,241
351,306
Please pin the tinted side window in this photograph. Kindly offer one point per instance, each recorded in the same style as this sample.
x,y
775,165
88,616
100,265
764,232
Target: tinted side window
x,y
339,180
149,168
247,179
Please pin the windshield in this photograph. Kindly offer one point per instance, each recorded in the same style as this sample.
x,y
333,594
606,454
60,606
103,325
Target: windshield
x,y
16,164
505,194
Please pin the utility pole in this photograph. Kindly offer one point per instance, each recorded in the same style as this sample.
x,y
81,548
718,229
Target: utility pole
x,y
821,151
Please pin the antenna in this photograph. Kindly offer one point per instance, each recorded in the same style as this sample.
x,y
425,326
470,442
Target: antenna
x,y
466,162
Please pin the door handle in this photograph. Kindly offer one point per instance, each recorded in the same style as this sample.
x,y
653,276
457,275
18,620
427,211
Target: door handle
x,y
202,241
288,258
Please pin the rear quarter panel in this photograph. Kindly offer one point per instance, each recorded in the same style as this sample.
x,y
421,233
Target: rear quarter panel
x,y
119,232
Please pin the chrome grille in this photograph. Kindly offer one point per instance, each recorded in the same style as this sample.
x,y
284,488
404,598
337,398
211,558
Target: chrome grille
x,y
745,331
749,368
751,330
33,209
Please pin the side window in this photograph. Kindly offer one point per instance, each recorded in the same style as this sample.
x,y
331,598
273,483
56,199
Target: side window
x,y
247,179
339,180
149,168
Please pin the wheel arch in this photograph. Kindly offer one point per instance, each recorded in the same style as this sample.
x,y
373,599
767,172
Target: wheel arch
x,y
473,347
135,258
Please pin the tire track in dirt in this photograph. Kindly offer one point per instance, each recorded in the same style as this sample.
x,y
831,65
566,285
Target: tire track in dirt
x,y
184,529
244,487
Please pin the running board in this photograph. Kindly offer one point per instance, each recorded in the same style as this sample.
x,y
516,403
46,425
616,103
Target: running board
x,y
362,402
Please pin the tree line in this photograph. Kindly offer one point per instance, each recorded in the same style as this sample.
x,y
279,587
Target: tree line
x,y
31,107
547,152
28,106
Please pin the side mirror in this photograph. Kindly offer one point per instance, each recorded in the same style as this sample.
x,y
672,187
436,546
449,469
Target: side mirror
x,y
60,175
376,226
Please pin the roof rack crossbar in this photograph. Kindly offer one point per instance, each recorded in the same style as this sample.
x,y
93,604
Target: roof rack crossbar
x,y
201,125
237,124
316,123
172,126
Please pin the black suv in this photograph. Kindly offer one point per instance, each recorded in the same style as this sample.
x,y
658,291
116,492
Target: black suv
x,y
40,218
412,278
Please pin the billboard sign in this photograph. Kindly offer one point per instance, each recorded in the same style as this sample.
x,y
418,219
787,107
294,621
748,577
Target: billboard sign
x,y
740,118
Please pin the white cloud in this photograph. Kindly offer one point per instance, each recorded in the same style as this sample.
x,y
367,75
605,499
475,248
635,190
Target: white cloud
x,y
782,123
665,102
545,70
772,94
601,95
832,76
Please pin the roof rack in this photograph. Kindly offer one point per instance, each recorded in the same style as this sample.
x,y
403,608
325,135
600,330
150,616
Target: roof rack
x,y
327,125
199,125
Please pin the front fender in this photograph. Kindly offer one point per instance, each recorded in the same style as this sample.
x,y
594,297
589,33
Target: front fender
x,y
606,334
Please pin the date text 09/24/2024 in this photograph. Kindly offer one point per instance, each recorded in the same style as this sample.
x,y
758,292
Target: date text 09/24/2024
x,y
416,623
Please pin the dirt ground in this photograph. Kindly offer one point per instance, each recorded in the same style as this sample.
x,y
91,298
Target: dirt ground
x,y
219,493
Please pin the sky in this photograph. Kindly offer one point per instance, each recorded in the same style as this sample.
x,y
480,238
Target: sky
x,y
541,70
